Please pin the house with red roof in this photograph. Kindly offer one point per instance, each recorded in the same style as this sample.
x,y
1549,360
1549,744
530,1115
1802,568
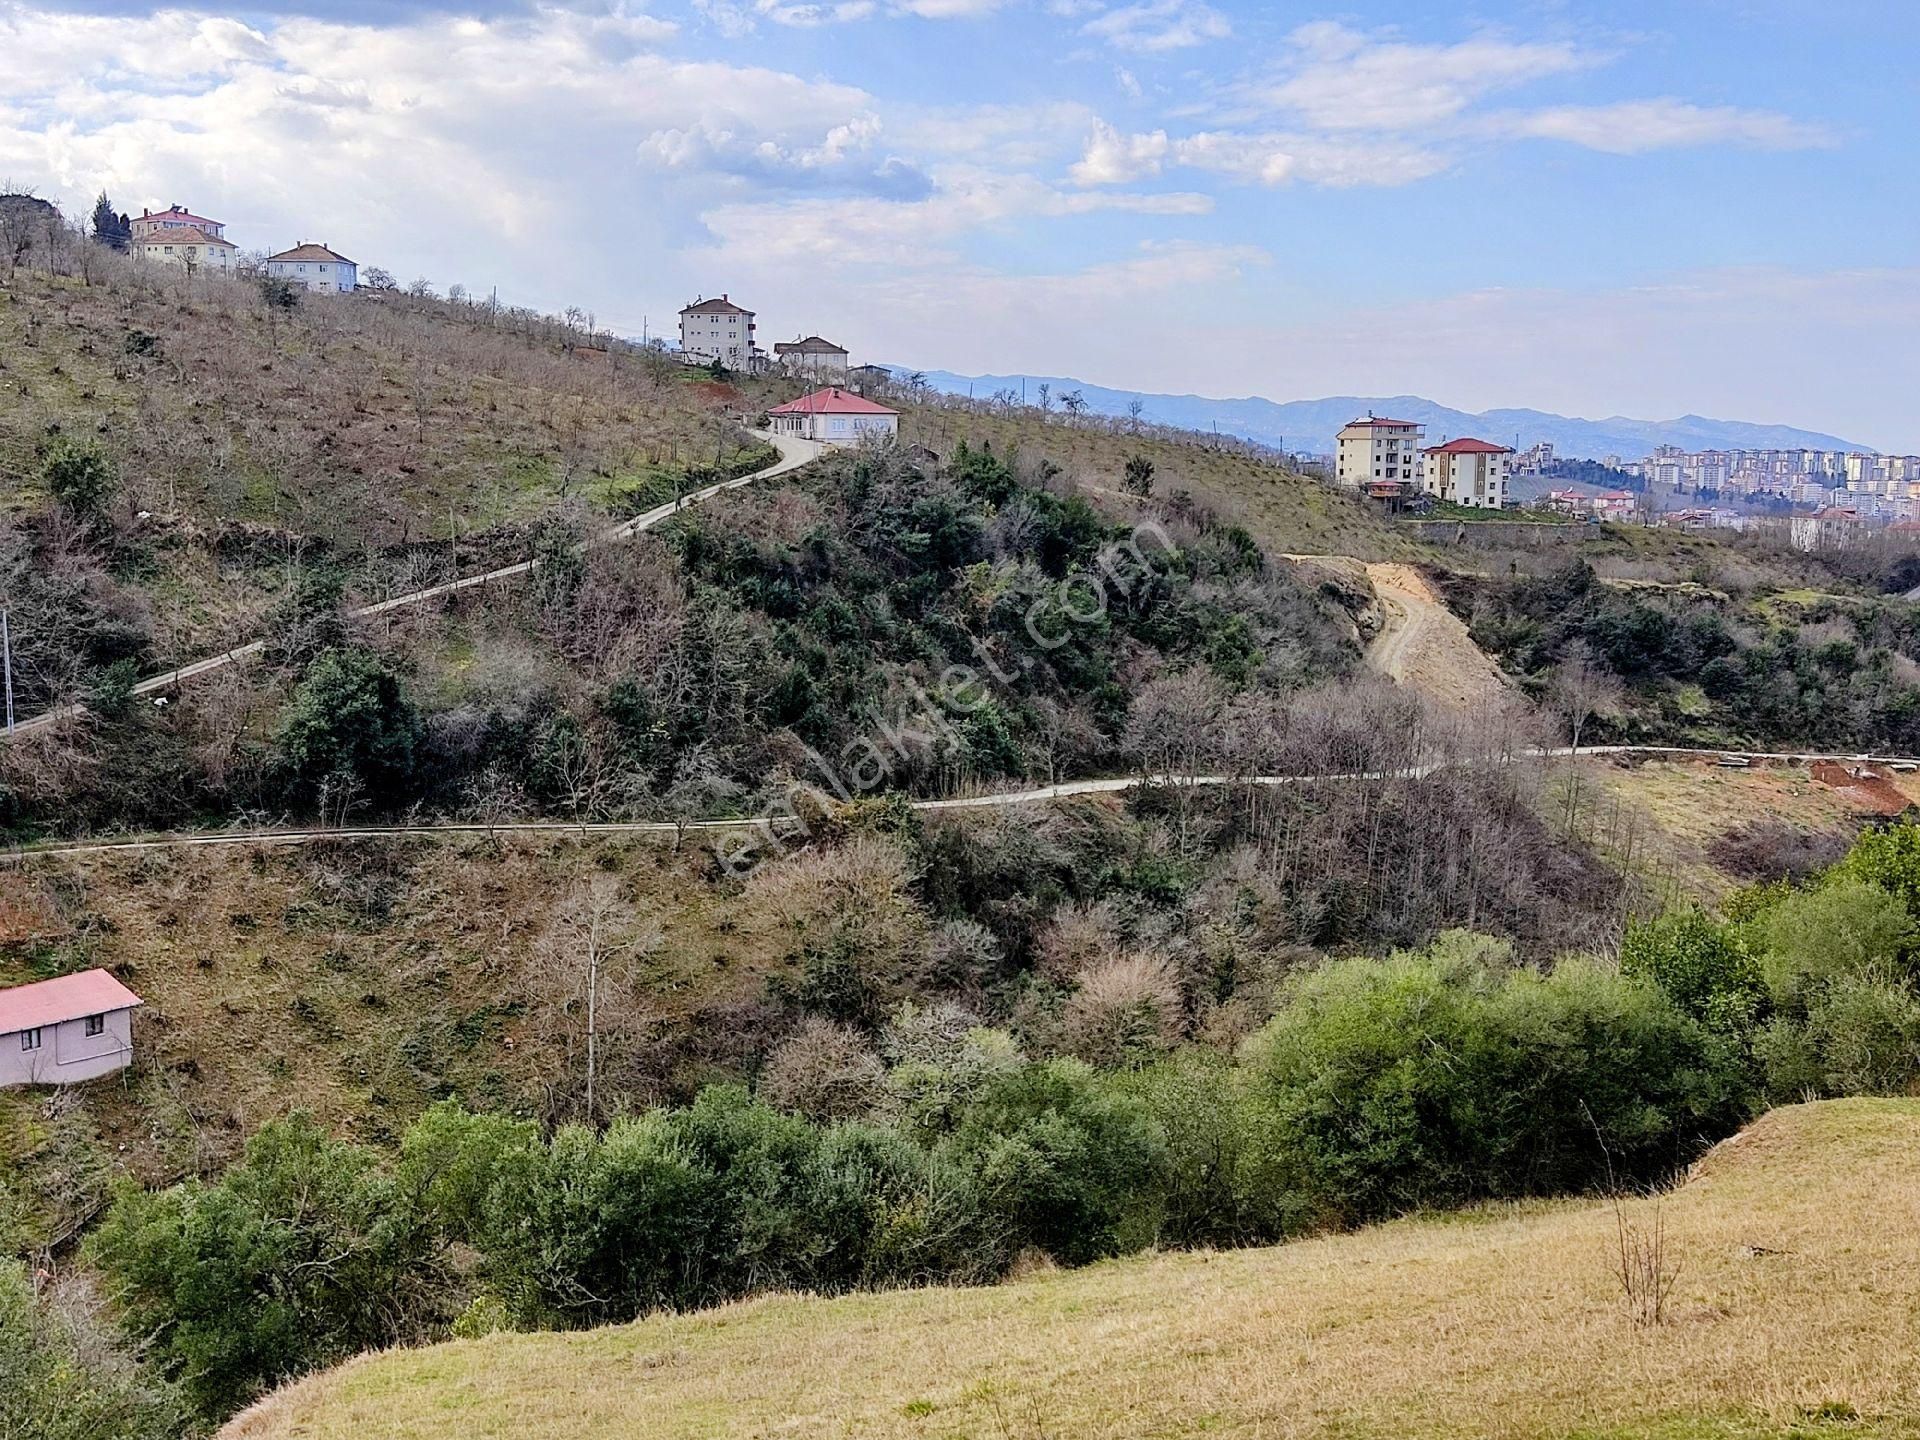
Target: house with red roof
x,y
1376,450
75,1027
314,267
178,237
1469,472
834,417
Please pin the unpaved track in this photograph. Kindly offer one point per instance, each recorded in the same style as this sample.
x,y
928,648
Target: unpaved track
x,y
1424,645
793,454
1037,795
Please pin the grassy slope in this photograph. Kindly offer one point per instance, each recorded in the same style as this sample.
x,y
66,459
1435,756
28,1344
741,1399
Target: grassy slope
x,y
359,980
1794,1313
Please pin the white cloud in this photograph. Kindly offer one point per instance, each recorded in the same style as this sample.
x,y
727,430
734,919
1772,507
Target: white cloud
x,y
1340,79
948,9
1114,159
1155,26
1634,127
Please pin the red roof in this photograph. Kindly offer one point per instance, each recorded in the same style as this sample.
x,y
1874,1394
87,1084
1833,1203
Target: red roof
x,y
48,1002
184,235
832,401
177,214
1466,446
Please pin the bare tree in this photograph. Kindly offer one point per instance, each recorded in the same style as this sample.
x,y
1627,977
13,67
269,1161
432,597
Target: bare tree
x,y
1581,687
592,935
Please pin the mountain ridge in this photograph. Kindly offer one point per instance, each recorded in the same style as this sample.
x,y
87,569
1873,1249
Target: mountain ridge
x,y
1310,425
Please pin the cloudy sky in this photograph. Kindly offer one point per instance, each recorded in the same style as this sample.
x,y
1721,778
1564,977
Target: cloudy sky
x,y
1644,207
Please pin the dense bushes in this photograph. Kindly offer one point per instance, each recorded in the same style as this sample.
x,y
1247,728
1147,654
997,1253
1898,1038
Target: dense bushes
x,y
61,1379
1379,1086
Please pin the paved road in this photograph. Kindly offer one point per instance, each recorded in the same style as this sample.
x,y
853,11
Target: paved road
x,y
1037,795
793,454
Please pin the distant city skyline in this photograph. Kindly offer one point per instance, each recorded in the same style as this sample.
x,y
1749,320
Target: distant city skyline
x,y
1624,208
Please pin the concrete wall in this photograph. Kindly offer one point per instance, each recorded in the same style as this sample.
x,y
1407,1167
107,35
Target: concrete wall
x,y
67,1053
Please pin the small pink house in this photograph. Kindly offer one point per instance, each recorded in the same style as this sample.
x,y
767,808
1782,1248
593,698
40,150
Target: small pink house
x,y
55,1032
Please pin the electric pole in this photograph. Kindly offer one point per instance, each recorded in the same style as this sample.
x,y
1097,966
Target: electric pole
x,y
6,649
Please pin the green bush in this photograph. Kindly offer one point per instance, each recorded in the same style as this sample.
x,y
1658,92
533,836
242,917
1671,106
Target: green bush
x,y
60,1382
350,720
1888,858
1703,966
1843,928
302,1255
79,476
1385,1086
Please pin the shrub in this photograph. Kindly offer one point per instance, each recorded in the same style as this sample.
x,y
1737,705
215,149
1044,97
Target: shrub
x,y
59,1381
1889,858
78,476
1067,1159
1703,966
1383,1086
1845,927
824,1071
302,1255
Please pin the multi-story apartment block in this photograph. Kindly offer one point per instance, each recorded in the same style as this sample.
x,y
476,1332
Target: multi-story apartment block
x,y
1469,472
718,330
1375,449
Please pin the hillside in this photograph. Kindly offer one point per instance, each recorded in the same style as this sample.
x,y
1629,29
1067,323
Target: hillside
x,y
1792,1250
1310,425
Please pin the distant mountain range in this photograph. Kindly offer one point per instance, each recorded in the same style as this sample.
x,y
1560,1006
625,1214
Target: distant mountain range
x,y
1310,425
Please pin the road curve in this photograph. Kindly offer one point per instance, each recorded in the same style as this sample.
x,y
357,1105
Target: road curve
x,y
1036,795
794,453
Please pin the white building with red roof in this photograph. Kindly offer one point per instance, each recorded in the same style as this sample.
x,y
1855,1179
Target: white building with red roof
x,y
314,267
834,417
76,1027
1468,472
178,237
1375,449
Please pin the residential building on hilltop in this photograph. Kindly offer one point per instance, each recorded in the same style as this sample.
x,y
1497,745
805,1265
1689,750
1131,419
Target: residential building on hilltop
x,y
176,236
835,417
1468,472
1378,449
175,218
718,330
75,1027
810,356
314,267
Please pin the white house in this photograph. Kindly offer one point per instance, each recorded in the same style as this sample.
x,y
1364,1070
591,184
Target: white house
x,y
178,237
811,356
314,267
1377,449
55,1032
835,416
1469,472
718,330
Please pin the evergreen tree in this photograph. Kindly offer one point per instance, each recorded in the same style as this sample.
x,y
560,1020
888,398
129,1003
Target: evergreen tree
x,y
113,230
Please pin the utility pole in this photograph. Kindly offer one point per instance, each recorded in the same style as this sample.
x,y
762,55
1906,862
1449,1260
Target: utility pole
x,y
6,648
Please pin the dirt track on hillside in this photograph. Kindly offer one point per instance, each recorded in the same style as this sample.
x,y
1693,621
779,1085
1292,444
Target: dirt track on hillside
x,y
1425,645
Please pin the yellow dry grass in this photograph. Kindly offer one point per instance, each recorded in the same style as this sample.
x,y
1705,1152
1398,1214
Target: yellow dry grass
x,y
1794,1313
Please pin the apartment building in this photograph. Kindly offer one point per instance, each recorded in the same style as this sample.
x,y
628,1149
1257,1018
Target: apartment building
x,y
1377,449
1468,472
718,330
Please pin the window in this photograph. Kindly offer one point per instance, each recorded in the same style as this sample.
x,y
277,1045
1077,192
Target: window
x,y
96,1025
30,1039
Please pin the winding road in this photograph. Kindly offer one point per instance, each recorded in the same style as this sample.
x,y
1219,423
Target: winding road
x,y
793,454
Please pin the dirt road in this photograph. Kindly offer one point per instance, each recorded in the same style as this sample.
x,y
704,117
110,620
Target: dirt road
x,y
1425,645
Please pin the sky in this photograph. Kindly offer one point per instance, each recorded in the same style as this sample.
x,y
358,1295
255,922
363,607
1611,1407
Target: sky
x,y
1643,207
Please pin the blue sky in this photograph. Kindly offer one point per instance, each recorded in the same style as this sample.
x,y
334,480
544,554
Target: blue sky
x,y
1638,208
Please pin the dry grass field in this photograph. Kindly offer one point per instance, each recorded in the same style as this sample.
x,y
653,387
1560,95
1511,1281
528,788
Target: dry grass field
x,y
1793,1251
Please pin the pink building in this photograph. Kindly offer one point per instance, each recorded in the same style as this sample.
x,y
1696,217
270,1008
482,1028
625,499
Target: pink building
x,y
55,1032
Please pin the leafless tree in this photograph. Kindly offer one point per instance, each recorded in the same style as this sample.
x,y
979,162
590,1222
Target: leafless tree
x,y
592,938
1581,687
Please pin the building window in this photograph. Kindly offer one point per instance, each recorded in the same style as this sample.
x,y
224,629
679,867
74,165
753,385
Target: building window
x,y
30,1039
96,1025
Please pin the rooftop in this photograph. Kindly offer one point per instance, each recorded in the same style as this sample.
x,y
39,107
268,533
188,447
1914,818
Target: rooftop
x,y
812,345
832,401
722,306
185,235
48,1002
1375,421
1466,445
177,214
307,250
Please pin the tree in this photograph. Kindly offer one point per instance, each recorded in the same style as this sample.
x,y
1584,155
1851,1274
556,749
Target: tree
x,y
1139,479
421,289
349,719
1582,686
112,230
593,930
1074,403
374,278
61,1381
1135,409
